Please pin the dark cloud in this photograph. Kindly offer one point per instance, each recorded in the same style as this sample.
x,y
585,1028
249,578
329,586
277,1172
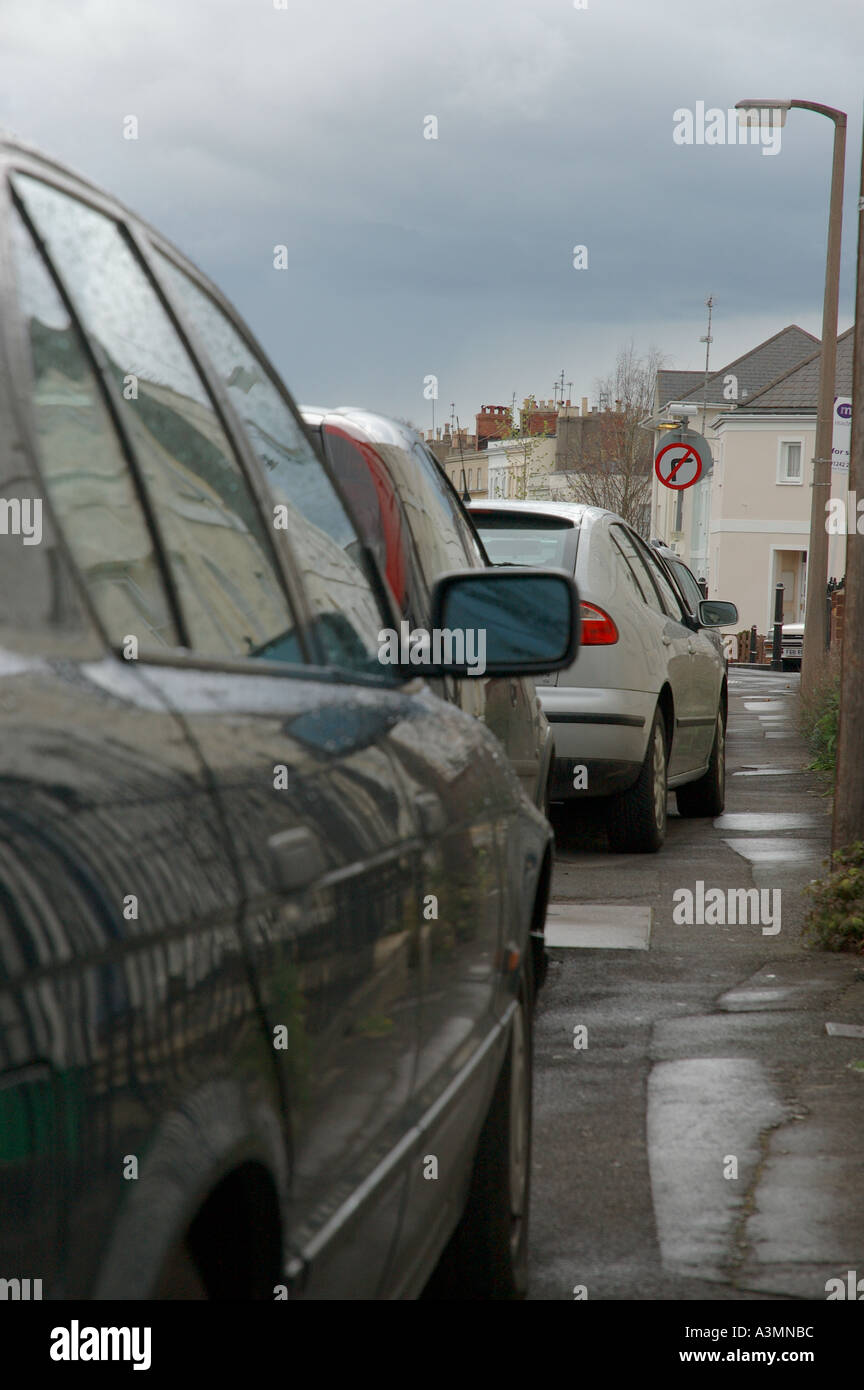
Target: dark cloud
x,y
304,127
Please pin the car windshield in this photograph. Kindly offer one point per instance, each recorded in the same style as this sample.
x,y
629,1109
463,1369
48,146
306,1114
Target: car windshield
x,y
522,539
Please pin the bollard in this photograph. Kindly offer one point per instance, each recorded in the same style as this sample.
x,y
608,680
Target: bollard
x,y
753,643
777,641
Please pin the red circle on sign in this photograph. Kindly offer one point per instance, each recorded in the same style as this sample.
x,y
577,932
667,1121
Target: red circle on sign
x,y
667,482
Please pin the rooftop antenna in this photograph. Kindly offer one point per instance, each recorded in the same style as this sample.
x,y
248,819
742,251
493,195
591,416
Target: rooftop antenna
x,y
707,340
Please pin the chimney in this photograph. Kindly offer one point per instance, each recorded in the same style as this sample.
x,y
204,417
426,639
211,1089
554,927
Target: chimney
x,y
584,405
618,405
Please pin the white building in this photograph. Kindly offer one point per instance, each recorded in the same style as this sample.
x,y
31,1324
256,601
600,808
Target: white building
x,y
745,525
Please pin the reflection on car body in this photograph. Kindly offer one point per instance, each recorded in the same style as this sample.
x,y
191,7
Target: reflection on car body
x,y
265,906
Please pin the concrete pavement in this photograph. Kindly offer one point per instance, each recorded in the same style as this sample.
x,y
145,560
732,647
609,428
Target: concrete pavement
x,y
698,1134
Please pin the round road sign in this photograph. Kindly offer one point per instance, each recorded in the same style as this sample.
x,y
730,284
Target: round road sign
x,y
678,465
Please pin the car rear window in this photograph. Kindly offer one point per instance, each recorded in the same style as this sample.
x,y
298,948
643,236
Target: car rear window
x,y
520,538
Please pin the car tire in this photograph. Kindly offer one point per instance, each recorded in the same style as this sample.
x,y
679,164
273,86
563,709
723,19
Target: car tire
x,y
707,797
636,820
487,1256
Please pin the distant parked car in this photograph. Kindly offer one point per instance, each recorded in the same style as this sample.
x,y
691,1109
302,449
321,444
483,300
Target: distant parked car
x,y
690,590
644,708
791,646
266,903
413,522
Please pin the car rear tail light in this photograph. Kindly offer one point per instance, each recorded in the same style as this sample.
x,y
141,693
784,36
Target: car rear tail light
x,y
598,629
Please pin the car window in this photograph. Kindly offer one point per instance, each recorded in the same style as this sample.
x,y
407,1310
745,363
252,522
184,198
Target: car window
x,y
86,474
347,614
692,592
369,489
439,480
670,599
629,576
427,504
219,553
624,540
518,538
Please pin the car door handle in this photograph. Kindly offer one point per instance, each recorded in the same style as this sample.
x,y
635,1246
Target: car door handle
x,y
691,649
296,858
667,641
430,813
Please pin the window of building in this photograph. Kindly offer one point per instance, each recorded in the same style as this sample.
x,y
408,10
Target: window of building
x,y
790,467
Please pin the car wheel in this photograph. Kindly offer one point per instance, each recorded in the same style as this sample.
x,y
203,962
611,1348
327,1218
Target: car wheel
x,y
487,1257
636,822
707,797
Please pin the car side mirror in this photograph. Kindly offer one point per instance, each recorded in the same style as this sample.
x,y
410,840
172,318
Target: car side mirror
x,y
502,622
714,613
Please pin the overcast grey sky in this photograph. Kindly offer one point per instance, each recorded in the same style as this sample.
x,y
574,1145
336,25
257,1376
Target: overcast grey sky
x,y
407,256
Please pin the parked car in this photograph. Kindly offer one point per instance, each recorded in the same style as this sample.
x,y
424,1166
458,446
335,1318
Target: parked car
x,y
411,519
690,591
265,902
644,708
791,646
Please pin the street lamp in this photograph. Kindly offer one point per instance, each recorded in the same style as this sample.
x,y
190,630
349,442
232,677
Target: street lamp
x,y
815,619
849,790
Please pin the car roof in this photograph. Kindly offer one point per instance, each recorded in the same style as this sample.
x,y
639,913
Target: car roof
x,y
381,429
577,512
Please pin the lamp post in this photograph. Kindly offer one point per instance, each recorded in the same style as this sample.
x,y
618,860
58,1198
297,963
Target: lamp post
x,y
815,623
849,787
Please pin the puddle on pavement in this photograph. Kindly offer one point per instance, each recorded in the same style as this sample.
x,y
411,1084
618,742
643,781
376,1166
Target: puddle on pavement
x,y
739,1001
764,820
767,850
600,926
765,772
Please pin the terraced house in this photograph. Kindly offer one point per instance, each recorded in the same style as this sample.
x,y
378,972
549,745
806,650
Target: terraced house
x,y
745,525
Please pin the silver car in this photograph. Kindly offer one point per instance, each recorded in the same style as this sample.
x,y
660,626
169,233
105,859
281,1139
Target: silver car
x,y
643,709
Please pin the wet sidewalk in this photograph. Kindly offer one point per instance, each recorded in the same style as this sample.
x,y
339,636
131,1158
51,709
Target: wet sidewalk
x,y
711,1129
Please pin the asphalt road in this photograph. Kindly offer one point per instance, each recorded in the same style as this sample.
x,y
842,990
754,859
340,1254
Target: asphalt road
x,y
708,1047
